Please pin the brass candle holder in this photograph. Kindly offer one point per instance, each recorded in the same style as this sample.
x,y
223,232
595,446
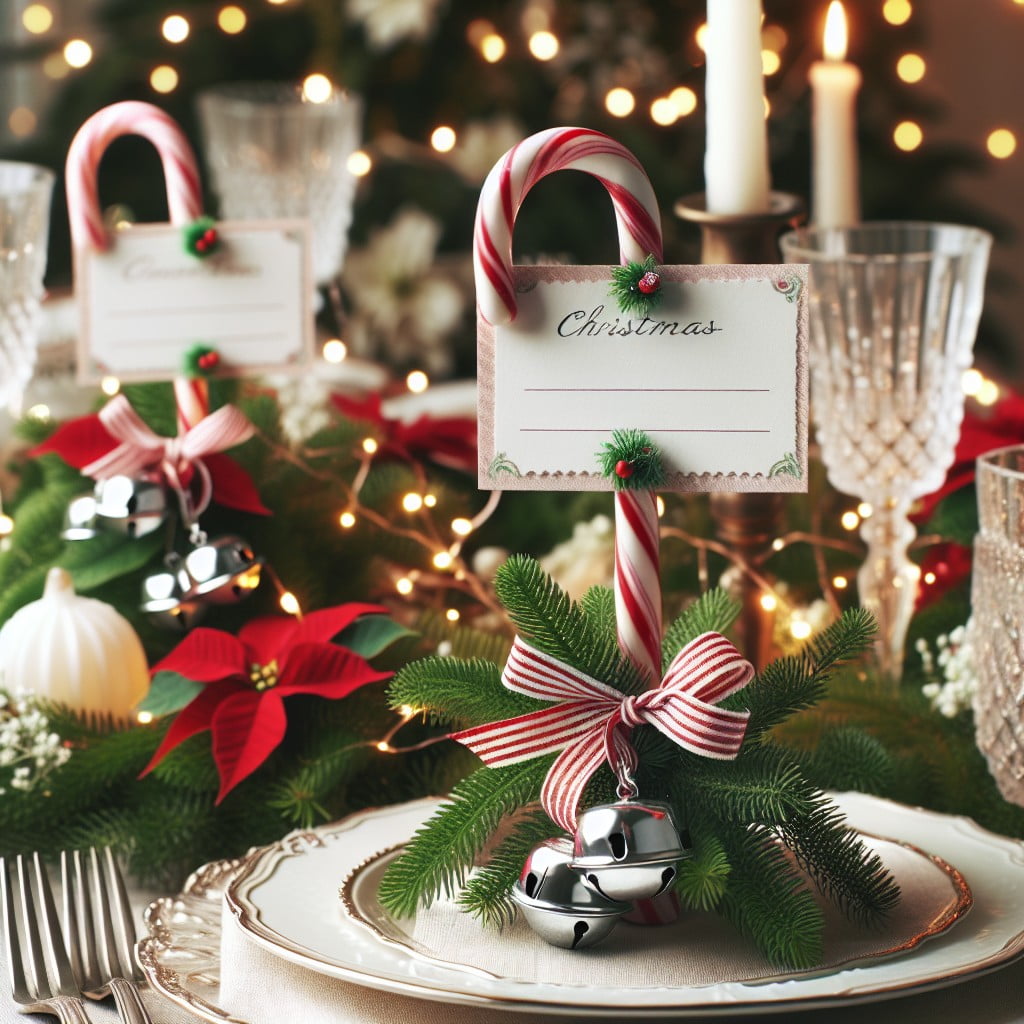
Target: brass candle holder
x,y
747,523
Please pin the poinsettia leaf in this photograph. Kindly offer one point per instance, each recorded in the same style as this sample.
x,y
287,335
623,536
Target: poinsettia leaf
x,y
194,717
233,487
206,655
79,441
371,634
169,692
320,626
246,729
325,670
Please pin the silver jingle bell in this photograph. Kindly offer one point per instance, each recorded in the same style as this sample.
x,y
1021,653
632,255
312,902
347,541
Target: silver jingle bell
x,y
130,506
220,571
164,601
627,850
80,519
558,905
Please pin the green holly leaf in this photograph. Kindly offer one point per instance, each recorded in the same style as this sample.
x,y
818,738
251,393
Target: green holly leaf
x,y
371,634
169,692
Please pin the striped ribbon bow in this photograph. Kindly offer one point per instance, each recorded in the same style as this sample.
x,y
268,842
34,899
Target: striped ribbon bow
x,y
592,721
140,448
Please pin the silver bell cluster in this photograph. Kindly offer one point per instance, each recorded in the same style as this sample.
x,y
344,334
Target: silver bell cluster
x,y
573,892
219,571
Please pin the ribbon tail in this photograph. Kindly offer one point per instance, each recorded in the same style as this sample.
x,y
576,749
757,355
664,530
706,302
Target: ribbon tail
x,y
568,777
222,429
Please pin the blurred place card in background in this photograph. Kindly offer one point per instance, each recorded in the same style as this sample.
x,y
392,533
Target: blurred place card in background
x,y
717,375
146,301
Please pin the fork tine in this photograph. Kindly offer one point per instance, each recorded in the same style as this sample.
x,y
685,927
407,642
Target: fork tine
x,y
57,957
105,932
15,968
88,950
72,923
38,981
122,912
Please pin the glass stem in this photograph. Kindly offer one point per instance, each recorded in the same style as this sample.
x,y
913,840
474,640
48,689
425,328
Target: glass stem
x,y
887,582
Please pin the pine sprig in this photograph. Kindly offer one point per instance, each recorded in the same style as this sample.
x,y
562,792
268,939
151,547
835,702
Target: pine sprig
x,y
765,898
441,853
839,863
702,877
598,604
486,894
713,612
632,461
456,692
849,758
628,286
544,616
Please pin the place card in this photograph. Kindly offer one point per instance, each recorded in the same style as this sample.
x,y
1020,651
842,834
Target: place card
x,y
145,301
716,375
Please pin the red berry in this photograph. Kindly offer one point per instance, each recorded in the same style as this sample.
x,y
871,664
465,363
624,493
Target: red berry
x,y
210,235
649,283
201,245
623,469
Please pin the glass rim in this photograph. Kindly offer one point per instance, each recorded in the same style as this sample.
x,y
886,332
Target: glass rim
x,y
794,243
987,462
269,95
37,175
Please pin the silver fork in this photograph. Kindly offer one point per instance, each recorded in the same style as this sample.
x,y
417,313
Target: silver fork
x,y
41,977
101,931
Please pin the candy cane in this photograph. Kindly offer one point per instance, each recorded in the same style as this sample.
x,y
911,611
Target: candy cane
x,y
512,177
192,399
638,581
184,194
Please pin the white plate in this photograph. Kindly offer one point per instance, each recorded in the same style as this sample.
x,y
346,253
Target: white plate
x,y
278,899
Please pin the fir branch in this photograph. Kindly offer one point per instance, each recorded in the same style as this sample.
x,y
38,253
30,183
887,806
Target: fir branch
x,y
486,894
797,682
632,461
703,876
713,612
440,854
544,616
848,758
839,863
463,641
763,786
456,692
598,604
765,898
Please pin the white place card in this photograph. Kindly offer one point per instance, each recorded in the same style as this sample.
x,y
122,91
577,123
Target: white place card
x,y
717,375
144,302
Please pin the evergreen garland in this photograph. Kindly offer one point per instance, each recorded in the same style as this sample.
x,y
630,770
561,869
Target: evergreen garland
x,y
760,827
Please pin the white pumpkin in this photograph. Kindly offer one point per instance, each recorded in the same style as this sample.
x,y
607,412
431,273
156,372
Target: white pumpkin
x,y
75,651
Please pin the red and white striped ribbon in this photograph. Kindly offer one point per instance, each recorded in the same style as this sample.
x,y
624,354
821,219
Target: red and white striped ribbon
x,y
557,149
181,173
592,721
141,449
638,580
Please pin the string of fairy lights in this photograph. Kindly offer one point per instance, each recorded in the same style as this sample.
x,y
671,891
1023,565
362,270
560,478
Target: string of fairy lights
x,y
538,35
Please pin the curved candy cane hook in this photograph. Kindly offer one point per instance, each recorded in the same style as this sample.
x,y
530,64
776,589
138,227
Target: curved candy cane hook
x,y
184,193
512,177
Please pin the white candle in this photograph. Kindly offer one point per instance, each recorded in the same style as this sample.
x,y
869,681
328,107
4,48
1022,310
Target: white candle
x,y
834,85
736,158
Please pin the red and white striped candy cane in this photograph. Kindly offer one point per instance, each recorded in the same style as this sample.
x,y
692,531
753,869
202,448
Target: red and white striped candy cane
x,y
512,177
192,399
638,580
181,174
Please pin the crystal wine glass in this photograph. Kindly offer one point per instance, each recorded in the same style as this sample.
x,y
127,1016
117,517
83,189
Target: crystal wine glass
x,y
996,633
894,309
25,193
273,152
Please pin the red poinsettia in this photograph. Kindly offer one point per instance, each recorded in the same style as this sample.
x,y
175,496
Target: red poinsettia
x,y
446,440
82,441
944,567
248,677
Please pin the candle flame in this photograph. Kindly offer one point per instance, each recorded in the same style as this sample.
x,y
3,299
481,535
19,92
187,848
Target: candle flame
x,y
835,32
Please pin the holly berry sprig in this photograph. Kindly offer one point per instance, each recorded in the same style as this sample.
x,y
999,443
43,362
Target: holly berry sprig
x,y
636,287
201,360
632,461
201,237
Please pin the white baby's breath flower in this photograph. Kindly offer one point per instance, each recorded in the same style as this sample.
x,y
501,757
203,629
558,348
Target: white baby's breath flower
x,y
389,21
951,672
28,746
